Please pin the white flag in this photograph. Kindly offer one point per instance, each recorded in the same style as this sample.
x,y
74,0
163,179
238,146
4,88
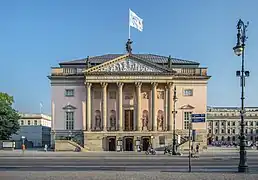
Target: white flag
x,y
135,21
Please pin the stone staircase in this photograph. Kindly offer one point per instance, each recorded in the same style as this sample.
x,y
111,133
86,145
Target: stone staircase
x,y
67,145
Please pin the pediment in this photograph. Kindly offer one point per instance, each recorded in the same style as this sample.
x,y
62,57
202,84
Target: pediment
x,y
69,107
187,106
128,63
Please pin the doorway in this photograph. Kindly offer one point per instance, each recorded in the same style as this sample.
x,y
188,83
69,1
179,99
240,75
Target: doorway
x,y
145,143
112,144
129,120
128,144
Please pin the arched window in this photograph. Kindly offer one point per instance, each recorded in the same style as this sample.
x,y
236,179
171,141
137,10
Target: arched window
x,y
217,138
222,138
229,138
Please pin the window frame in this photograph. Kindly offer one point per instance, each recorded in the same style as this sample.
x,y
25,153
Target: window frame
x,y
69,95
187,94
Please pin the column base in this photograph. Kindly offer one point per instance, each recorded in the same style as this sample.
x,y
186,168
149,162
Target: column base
x,y
243,169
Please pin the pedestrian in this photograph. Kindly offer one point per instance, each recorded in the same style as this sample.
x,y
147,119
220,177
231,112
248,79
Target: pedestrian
x,y
45,148
197,148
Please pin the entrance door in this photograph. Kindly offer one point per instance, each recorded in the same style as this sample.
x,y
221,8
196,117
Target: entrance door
x,y
129,124
128,144
112,144
145,143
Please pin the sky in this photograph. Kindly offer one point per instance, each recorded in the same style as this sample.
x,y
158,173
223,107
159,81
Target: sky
x,y
37,35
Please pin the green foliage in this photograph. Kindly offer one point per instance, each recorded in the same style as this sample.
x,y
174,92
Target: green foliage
x,y
8,117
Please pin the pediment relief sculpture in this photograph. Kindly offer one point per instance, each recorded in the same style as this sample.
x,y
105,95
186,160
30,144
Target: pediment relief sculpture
x,y
128,65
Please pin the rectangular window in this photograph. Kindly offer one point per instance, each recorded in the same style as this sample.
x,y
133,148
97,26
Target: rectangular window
x,y
251,123
35,122
216,131
112,95
251,131
69,92
69,117
222,123
22,122
188,92
28,122
222,131
256,131
233,131
187,118
229,123
228,131
97,94
233,123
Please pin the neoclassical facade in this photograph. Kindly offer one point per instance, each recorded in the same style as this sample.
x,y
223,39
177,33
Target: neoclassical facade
x,y
127,97
224,124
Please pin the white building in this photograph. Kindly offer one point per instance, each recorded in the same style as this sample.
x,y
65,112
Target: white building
x,y
36,128
224,124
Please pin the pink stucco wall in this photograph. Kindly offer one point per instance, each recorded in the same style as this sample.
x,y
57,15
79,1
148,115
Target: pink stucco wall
x,y
60,101
198,101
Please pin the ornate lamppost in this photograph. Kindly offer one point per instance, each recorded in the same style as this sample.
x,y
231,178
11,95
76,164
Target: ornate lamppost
x,y
174,123
239,50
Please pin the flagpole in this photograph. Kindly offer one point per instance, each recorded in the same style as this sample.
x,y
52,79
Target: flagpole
x,y
129,36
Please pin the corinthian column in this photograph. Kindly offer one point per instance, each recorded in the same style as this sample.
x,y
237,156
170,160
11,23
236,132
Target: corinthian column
x,y
169,113
153,99
88,110
104,105
120,105
139,105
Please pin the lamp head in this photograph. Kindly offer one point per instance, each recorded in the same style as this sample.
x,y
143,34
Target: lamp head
x,y
238,50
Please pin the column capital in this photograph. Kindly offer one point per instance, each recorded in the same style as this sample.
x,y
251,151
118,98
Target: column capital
x,y
120,84
169,84
154,84
88,84
103,84
138,84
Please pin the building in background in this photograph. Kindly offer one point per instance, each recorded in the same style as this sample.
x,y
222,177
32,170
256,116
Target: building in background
x,y
36,128
127,97
224,124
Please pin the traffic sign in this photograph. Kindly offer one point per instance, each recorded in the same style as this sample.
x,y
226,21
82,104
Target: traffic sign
x,y
198,118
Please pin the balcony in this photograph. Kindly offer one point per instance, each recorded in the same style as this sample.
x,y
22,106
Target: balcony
x,y
191,71
57,71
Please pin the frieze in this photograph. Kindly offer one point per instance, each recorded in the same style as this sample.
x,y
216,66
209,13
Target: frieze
x,y
128,65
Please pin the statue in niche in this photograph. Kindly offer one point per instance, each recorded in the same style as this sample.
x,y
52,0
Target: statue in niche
x,y
97,120
112,120
145,120
160,119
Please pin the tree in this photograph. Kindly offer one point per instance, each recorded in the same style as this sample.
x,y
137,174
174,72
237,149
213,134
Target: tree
x,y
8,117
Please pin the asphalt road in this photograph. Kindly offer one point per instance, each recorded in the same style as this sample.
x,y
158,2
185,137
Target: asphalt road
x,y
161,163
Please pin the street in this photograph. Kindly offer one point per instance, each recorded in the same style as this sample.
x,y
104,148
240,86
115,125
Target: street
x,y
113,165
219,162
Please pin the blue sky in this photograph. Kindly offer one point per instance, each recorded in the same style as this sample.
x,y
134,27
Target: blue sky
x,y
35,35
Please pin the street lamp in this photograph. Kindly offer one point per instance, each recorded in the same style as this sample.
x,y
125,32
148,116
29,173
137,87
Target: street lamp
x,y
174,123
239,50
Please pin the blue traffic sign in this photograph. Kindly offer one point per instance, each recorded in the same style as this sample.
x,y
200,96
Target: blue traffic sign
x,y
198,118
198,115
